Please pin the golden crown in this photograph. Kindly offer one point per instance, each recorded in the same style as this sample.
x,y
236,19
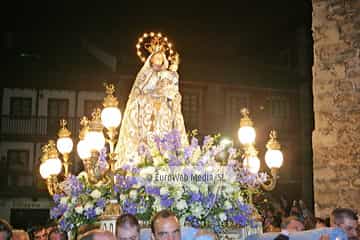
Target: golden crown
x,y
154,42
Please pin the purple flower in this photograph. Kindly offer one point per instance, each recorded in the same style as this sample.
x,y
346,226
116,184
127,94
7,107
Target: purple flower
x,y
207,140
187,172
166,202
239,219
194,197
152,190
194,142
90,213
75,185
174,161
102,159
129,207
124,182
194,221
101,203
65,225
57,197
58,211
188,151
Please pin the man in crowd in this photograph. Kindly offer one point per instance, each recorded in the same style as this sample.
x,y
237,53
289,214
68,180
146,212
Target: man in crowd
x,y
165,225
345,219
5,230
292,224
40,233
97,234
55,234
127,228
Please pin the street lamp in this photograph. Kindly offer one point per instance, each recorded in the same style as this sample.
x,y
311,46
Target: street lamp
x,y
273,156
91,141
50,166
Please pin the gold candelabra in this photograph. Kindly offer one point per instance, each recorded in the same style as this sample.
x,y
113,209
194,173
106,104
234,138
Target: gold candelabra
x,y
273,156
92,140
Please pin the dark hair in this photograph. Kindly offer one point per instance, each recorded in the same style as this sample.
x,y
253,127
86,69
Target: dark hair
x,y
287,220
339,214
127,220
6,227
54,231
162,214
320,220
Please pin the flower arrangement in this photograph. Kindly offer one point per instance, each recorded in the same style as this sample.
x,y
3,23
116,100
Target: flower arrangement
x,y
204,185
80,203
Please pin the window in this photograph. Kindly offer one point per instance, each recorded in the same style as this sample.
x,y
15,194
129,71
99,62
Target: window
x,y
18,174
57,109
18,160
90,105
280,107
20,107
191,109
280,112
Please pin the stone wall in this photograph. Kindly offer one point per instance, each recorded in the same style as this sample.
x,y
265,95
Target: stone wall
x,y
336,89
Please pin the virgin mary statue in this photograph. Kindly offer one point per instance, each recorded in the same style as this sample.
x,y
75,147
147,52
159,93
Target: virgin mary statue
x,y
154,105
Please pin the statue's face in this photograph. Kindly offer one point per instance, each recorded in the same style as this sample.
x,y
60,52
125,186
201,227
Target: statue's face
x,y
157,60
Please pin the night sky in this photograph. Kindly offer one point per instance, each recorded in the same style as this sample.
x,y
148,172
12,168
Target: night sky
x,y
222,35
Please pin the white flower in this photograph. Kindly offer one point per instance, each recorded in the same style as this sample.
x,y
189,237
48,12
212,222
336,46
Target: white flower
x,y
182,220
67,214
147,171
204,189
193,188
95,194
181,204
222,216
79,209
164,190
229,188
88,205
133,194
64,200
227,205
98,211
157,206
73,200
122,197
158,161
196,155
196,210
179,192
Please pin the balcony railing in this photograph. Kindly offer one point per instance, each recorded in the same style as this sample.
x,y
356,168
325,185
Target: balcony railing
x,y
36,126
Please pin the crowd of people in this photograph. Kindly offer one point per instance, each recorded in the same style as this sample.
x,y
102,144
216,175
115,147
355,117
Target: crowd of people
x,y
285,219
165,225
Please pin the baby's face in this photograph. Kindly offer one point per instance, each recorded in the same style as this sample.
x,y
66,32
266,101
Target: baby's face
x,y
157,60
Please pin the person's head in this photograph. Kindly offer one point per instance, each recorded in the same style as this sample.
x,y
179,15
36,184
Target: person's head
x,y
20,235
157,60
346,219
97,234
165,226
292,224
40,233
127,227
5,230
56,234
320,223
